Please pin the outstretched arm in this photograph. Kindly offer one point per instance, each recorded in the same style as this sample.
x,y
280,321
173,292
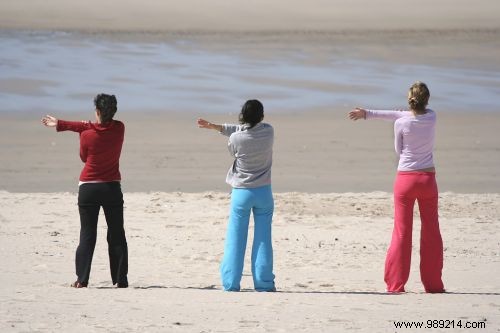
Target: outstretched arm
x,y
225,129
391,115
63,125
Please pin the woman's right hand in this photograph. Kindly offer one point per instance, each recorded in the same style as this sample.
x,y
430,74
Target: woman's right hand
x,y
357,113
202,123
49,121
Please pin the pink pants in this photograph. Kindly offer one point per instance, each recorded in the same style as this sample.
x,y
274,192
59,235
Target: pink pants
x,y
408,187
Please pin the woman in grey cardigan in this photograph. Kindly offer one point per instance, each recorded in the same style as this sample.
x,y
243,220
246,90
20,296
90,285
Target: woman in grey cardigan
x,y
251,145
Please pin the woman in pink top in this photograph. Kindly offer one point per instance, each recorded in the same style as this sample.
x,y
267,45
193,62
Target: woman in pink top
x,y
415,180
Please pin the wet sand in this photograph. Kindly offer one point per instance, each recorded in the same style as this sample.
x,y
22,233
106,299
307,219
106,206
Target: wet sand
x,y
319,151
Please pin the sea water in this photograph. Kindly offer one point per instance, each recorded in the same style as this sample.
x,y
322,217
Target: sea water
x,y
62,72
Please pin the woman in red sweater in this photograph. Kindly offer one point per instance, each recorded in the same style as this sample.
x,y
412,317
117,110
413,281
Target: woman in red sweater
x,y
100,147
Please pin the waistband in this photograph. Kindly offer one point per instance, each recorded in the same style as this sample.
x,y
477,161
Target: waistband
x,y
263,187
97,182
427,173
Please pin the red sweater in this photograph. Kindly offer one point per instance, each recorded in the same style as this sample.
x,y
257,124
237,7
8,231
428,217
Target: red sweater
x,y
100,148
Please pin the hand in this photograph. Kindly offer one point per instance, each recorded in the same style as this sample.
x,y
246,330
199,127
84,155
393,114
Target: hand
x,y
49,121
202,123
357,113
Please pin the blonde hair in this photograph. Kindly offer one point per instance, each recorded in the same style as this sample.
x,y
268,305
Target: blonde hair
x,y
418,96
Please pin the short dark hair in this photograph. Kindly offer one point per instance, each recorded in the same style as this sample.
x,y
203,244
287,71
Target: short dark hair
x,y
106,104
251,113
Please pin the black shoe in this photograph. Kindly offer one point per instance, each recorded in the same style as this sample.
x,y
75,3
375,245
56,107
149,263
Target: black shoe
x,y
122,285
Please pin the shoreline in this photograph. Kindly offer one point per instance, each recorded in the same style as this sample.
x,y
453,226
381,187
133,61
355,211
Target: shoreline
x,y
297,60
304,35
216,73
426,45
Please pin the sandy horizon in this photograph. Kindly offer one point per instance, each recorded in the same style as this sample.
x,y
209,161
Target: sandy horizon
x,y
234,16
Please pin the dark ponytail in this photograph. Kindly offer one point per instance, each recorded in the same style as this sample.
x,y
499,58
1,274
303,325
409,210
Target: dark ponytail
x,y
251,113
106,104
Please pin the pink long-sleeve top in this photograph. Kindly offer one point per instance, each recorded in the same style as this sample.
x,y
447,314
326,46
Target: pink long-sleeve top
x,y
413,137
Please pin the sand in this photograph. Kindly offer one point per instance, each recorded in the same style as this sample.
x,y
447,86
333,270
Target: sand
x,y
329,254
332,180
240,16
316,152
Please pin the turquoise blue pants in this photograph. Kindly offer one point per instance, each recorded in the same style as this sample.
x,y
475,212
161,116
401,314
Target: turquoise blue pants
x,y
260,202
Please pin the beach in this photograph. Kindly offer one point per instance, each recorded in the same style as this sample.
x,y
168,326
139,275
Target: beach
x,y
170,63
329,254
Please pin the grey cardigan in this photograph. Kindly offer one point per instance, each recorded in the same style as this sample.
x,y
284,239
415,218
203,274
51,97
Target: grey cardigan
x,y
252,149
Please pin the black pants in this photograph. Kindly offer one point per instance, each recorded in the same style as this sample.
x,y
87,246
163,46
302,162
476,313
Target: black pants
x,y
91,196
